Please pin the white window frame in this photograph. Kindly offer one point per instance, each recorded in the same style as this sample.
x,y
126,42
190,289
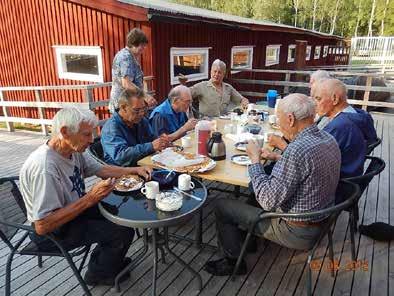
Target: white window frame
x,y
317,48
308,54
236,49
289,58
177,51
273,46
88,50
325,51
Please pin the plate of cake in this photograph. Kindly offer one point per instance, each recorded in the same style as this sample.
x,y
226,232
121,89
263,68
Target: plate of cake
x,y
183,162
128,183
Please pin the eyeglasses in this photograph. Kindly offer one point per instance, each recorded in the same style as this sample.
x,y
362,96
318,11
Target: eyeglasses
x,y
139,110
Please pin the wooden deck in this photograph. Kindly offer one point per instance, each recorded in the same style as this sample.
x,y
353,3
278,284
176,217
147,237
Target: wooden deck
x,y
272,270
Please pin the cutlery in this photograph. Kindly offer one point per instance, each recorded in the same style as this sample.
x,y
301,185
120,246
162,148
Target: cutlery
x,y
188,194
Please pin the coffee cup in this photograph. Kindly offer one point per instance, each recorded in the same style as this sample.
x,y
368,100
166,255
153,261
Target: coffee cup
x,y
150,189
259,139
228,129
186,142
272,119
185,182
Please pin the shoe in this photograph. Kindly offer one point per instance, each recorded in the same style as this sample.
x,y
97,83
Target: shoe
x,y
92,279
224,266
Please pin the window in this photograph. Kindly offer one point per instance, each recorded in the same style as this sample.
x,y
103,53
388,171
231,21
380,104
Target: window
x,y
291,53
308,52
79,63
325,51
241,57
190,62
316,56
272,54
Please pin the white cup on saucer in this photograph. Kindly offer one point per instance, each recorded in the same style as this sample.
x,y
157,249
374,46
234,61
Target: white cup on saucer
x,y
186,142
185,182
150,189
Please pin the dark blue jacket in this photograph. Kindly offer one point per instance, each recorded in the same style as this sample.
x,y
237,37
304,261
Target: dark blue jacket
x,y
352,132
164,119
123,145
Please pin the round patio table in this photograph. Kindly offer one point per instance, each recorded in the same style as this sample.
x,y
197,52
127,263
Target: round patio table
x,y
134,210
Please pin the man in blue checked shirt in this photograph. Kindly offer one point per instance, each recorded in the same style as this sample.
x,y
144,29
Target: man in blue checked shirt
x,y
304,179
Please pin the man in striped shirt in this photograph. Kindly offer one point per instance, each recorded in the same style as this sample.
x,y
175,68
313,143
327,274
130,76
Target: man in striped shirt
x,y
304,179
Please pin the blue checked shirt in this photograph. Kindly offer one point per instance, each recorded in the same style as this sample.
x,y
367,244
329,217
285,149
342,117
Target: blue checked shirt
x,y
304,179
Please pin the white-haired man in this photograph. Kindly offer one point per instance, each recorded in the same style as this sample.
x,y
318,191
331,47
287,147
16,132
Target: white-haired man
x,y
170,116
317,76
214,95
53,189
304,179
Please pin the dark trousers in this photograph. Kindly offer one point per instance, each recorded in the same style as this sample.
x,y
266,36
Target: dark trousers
x,y
234,216
113,241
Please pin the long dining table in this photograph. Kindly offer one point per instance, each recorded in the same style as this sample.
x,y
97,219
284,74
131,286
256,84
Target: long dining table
x,y
225,170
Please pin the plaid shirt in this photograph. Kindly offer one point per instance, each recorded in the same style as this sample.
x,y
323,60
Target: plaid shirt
x,y
304,179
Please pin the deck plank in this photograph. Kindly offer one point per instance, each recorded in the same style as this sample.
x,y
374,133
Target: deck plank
x,y
272,270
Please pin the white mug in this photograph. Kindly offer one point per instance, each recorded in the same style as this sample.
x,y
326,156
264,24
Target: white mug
x,y
150,189
185,182
259,140
186,141
272,119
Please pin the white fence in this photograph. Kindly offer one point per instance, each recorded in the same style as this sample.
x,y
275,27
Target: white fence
x,y
372,50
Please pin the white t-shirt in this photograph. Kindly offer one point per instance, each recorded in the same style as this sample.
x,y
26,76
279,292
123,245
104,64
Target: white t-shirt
x,y
49,181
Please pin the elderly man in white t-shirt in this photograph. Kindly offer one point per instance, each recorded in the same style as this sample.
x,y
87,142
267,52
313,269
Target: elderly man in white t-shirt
x,y
53,189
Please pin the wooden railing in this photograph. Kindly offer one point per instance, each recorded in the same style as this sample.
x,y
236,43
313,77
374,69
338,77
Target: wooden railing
x,y
286,83
87,104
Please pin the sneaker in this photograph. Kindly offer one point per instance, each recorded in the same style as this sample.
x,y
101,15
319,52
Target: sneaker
x,y
224,267
92,279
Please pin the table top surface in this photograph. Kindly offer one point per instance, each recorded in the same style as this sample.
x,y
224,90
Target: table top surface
x,y
133,209
225,171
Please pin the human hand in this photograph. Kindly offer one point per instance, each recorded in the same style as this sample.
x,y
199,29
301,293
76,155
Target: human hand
x,y
144,172
253,151
265,153
182,79
190,124
277,141
161,142
244,103
101,189
150,101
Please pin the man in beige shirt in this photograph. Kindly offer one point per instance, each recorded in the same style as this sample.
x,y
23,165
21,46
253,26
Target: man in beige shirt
x,y
214,95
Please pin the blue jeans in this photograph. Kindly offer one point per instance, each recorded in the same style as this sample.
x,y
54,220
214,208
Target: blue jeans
x,y
113,241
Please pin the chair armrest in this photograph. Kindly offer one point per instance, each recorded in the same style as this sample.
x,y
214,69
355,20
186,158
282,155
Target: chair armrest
x,y
18,225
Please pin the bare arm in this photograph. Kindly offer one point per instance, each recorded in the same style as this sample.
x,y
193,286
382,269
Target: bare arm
x,y
189,125
111,171
61,216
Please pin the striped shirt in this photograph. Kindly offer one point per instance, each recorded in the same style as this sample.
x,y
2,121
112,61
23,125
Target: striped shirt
x,y
304,179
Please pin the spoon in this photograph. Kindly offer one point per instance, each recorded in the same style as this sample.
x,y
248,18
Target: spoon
x,y
169,173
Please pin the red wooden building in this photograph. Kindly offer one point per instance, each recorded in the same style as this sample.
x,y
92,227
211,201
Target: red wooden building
x,y
69,42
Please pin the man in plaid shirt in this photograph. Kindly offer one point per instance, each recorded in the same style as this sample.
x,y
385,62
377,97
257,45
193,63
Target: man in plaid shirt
x,y
304,179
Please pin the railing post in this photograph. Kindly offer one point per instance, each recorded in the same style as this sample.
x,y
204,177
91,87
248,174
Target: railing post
x,y
367,91
38,95
287,78
10,125
89,99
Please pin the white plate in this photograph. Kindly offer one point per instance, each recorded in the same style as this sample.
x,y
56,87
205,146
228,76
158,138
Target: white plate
x,y
240,147
136,187
209,167
225,117
241,159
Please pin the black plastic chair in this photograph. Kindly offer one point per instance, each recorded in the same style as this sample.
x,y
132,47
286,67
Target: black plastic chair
x,y
373,145
14,231
96,150
348,189
375,167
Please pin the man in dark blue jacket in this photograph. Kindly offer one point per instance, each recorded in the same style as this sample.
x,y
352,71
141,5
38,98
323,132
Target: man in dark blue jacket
x,y
170,116
352,128
127,136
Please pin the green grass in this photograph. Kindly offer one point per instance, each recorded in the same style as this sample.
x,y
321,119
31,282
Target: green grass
x,y
23,126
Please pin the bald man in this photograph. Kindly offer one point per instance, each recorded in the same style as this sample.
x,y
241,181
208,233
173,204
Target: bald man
x,y
352,128
170,116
